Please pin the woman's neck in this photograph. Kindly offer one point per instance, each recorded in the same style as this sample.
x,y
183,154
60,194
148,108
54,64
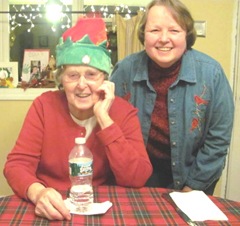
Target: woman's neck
x,y
81,115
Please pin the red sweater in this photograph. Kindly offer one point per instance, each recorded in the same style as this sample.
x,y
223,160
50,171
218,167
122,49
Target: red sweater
x,y
47,137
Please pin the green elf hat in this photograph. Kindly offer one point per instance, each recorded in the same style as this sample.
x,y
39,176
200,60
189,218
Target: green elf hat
x,y
85,44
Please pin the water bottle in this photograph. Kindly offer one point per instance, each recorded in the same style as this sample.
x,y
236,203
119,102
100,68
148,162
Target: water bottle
x,y
81,170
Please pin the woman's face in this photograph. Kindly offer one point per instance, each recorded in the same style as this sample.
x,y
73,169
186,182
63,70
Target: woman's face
x,y
165,40
80,84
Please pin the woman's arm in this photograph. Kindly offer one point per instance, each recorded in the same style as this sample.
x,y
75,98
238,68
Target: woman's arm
x,y
125,148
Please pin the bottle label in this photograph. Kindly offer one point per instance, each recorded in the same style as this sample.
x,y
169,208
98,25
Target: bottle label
x,y
81,168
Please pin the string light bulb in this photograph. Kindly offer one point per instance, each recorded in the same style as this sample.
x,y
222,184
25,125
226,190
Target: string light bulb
x,y
53,10
29,13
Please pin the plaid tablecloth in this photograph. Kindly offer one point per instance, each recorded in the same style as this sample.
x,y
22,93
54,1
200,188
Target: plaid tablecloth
x,y
144,206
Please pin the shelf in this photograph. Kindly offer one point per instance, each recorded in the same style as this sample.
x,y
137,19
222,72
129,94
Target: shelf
x,y
21,94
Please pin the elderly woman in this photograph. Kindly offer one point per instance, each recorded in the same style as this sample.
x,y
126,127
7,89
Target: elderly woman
x,y
37,167
184,100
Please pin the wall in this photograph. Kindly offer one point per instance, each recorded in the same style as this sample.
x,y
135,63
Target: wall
x,y
219,16
12,115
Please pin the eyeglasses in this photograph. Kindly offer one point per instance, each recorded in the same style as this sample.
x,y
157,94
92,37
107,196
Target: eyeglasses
x,y
75,76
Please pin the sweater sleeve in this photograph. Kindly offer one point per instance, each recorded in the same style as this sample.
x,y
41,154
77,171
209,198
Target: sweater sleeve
x,y
22,161
125,149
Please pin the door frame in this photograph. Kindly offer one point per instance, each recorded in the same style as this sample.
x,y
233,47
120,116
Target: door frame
x,y
230,181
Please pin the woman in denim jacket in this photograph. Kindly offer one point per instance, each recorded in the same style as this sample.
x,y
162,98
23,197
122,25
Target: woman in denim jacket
x,y
184,99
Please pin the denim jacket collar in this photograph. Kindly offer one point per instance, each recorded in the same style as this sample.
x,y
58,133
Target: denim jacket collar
x,y
187,71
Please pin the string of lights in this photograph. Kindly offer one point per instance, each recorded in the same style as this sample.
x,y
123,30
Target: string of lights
x,y
31,14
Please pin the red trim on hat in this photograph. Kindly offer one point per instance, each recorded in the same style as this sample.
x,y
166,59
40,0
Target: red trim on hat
x,y
93,27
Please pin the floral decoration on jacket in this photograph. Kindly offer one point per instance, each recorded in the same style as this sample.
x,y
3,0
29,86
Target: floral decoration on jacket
x,y
199,101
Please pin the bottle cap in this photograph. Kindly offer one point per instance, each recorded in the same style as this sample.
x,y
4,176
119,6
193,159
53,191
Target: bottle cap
x,y
80,140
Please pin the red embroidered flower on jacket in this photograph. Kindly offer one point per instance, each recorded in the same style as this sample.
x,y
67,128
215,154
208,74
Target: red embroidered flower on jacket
x,y
200,100
199,118
194,124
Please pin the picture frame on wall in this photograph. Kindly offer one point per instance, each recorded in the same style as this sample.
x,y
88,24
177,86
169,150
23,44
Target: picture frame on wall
x,y
8,74
34,62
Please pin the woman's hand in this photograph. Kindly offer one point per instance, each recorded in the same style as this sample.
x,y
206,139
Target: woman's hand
x,y
186,189
102,106
48,202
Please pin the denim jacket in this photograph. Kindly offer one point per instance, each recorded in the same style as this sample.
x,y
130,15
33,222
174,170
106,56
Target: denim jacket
x,y
200,111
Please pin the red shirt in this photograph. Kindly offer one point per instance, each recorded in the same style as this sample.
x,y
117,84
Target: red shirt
x,y
47,137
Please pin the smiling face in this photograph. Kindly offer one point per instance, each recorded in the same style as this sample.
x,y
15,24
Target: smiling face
x,y
165,40
80,84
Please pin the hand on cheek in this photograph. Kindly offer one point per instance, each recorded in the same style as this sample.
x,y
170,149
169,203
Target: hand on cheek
x,y
106,96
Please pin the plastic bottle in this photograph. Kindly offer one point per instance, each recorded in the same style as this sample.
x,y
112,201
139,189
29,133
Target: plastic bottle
x,y
81,170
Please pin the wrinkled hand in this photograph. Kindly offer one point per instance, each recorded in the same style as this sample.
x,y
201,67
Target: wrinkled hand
x,y
102,106
48,203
